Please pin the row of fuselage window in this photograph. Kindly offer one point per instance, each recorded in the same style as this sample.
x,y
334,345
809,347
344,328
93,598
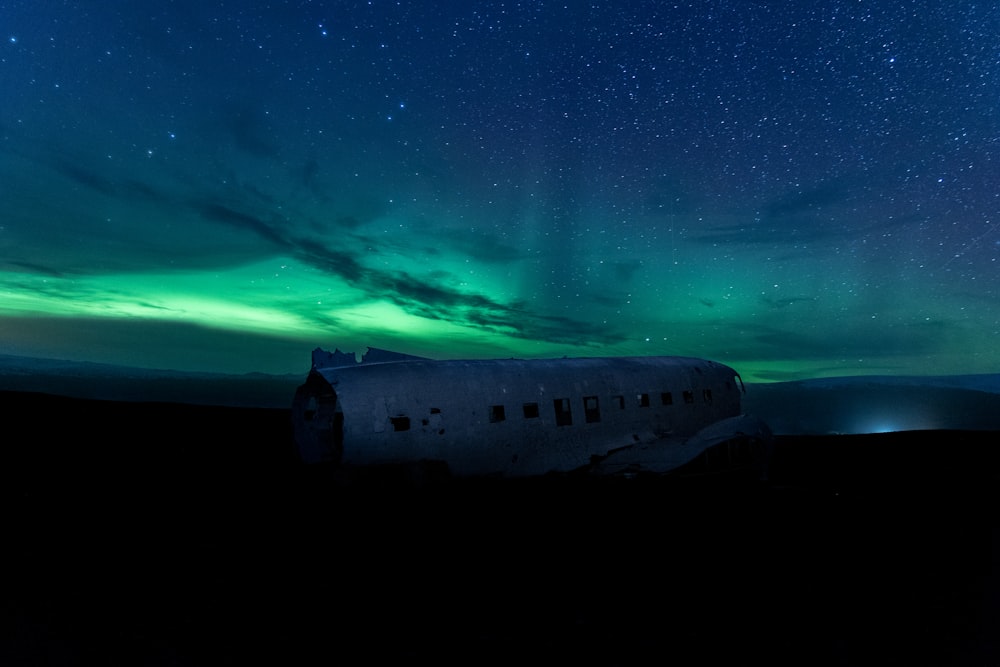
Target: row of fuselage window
x,y
563,409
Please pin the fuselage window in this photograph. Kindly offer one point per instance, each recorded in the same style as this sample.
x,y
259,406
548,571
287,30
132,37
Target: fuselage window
x,y
689,396
618,401
563,415
666,398
707,395
643,400
531,410
497,414
401,423
591,409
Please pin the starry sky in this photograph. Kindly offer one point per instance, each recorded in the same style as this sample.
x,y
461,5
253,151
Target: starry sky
x,y
798,189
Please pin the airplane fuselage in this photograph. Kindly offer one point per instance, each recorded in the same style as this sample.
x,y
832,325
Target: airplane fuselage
x,y
517,417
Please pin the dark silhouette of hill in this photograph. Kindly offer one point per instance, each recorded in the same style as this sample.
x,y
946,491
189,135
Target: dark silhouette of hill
x,y
123,383
866,405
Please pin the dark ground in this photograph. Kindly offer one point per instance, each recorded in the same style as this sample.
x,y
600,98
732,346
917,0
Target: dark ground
x,y
185,535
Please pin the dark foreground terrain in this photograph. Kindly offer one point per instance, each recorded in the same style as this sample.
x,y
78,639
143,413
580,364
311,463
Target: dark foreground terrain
x,y
186,535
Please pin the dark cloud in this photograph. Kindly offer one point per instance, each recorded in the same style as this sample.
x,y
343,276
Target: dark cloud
x,y
426,297
86,218
339,263
440,302
141,191
33,267
224,215
119,187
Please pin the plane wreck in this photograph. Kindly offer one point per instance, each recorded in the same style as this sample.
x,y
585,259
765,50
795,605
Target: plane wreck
x,y
513,417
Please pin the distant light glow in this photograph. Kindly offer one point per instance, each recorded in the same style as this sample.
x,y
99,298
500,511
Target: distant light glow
x,y
883,428
892,421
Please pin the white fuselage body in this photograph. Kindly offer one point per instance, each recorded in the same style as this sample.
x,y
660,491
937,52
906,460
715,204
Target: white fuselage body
x,y
517,417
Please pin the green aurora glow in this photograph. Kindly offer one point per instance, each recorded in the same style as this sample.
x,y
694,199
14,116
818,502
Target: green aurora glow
x,y
190,202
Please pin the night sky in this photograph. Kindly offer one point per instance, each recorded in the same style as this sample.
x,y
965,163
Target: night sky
x,y
796,189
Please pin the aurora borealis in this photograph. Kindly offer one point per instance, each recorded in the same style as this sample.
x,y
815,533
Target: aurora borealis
x,y
797,191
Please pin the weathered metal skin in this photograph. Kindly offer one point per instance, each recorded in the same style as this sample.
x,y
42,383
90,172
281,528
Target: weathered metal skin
x,y
516,417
